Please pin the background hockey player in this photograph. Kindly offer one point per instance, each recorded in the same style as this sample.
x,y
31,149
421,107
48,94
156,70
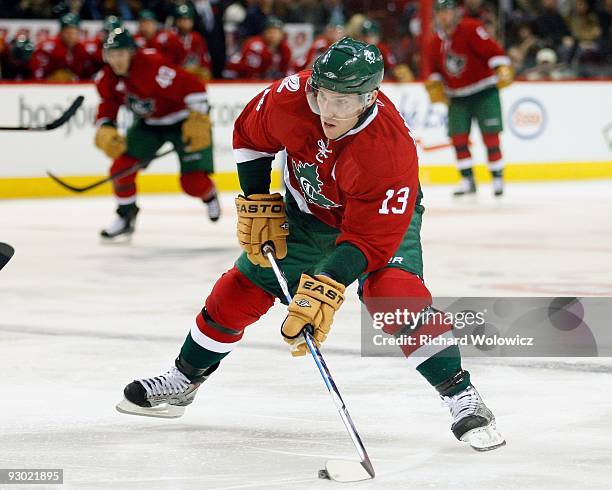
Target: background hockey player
x,y
62,58
263,57
465,67
196,58
331,34
370,34
169,105
165,41
353,213
15,59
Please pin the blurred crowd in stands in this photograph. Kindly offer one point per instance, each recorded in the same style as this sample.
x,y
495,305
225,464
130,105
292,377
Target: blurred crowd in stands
x,y
225,39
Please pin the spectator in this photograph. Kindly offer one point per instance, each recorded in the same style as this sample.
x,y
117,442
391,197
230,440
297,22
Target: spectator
x,y
63,58
584,26
547,68
15,59
551,27
256,16
209,23
263,57
149,35
523,53
605,22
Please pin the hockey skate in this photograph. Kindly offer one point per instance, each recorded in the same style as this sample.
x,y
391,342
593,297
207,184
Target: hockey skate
x,y
214,208
498,186
473,422
123,225
164,396
466,186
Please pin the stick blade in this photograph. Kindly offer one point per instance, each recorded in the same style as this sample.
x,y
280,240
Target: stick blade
x,y
66,115
6,252
348,471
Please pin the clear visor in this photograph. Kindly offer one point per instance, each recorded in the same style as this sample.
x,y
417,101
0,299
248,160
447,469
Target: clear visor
x,y
334,105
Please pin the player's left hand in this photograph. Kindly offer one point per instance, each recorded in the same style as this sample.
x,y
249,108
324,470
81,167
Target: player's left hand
x,y
197,131
316,301
505,75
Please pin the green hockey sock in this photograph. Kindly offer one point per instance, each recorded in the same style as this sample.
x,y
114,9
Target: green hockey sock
x,y
443,371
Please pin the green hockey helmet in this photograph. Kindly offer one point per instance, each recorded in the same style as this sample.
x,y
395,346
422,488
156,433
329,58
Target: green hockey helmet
x,y
21,48
69,20
147,14
119,38
344,78
444,4
110,23
273,22
184,11
370,28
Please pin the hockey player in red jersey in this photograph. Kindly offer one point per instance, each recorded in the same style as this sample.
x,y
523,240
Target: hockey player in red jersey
x,y
167,42
196,57
169,105
351,212
464,68
62,58
263,57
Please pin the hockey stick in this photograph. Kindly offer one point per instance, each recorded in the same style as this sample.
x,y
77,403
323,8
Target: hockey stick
x,y
338,470
117,175
52,125
6,252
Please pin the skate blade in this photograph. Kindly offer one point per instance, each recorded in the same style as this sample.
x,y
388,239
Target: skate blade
x,y
345,471
123,239
164,411
484,438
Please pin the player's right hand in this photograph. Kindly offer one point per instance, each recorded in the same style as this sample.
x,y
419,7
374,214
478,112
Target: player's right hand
x,y
110,141
435,89
261,219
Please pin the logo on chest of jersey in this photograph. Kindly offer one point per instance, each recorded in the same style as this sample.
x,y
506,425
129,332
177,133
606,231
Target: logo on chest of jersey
x,y
454,64
324,150
140,107
307,175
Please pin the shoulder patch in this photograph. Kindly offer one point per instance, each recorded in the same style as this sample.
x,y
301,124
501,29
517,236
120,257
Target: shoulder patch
x,y
291,83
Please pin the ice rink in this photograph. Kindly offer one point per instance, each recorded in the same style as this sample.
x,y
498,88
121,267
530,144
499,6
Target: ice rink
x,y
80,319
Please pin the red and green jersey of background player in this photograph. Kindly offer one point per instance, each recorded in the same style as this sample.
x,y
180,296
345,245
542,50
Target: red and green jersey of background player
x,y
364,183
155,90
466,60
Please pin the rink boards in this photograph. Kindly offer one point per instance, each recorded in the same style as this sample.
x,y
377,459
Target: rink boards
x,y
553,131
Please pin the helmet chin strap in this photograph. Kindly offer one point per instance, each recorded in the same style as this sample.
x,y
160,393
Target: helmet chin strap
x,y
365,114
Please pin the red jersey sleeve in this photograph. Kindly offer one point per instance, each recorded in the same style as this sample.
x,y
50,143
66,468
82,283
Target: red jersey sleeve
x,y
40,62
484,45
380,200
110,100
253,137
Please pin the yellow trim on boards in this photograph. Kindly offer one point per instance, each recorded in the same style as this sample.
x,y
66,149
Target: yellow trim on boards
x,y
25,187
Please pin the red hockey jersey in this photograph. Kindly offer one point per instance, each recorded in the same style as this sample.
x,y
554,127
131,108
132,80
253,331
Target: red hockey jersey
x,y
154,90
364,183
166,42
257,60
52,55
195,50
465,61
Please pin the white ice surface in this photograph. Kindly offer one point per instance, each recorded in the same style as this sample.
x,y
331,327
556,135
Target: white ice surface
x,y
78,320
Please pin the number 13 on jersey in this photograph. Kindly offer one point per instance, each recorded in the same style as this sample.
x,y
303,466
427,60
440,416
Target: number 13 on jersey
x,y
399,203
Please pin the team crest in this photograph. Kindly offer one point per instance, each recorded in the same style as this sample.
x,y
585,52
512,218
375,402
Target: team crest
x,y
307,175
454,64
291,83
140,107
369,56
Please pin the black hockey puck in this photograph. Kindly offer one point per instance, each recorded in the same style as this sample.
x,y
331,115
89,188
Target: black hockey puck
x,y
323,474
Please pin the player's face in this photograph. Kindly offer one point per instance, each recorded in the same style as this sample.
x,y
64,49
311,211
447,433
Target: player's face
x,y
184,24
338,112
273,36
70,36
446,19
119,60
147,28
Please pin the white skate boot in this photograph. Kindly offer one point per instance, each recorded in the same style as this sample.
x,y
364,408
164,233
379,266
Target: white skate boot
x,y
467,185
122,225
473,422
214,208
498,186
164,396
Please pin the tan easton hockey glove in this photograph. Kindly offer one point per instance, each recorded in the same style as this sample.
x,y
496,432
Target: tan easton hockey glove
x,y
435,89
261,219
196,131
314,303
62,75
505,76
201,72
110,141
